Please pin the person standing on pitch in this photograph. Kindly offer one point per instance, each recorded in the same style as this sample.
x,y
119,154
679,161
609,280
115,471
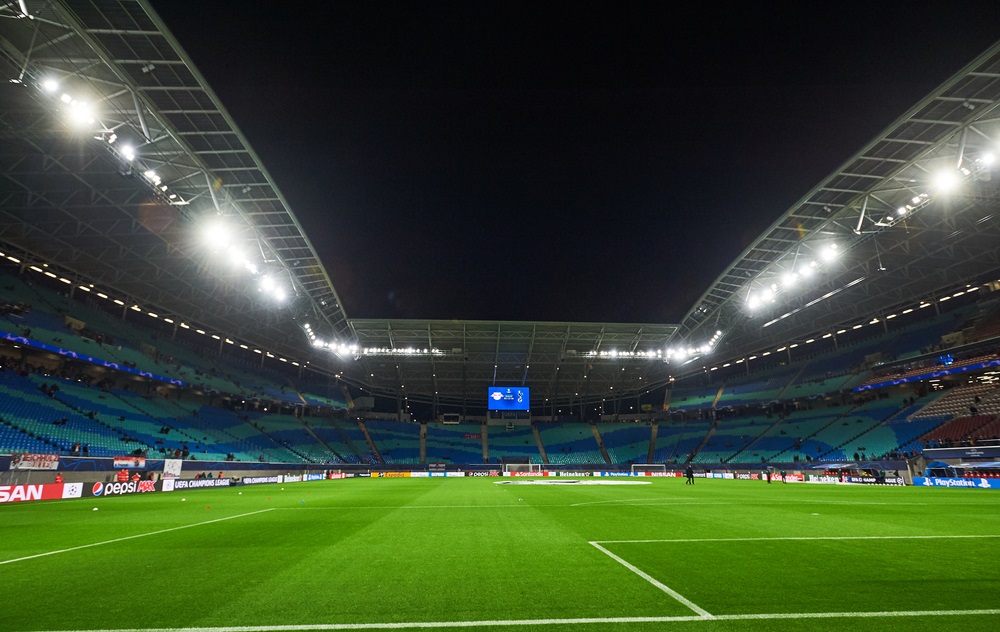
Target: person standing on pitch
x,y
689,472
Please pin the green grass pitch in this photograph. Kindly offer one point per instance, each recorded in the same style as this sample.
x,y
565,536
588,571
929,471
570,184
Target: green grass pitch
x,y
470,554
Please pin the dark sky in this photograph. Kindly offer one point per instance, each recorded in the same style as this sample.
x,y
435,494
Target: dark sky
x,y
548,161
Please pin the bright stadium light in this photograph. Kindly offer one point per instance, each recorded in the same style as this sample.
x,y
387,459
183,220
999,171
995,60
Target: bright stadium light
x,y
50,85
80,113
215,233
789,278
235,255
946,181
829,253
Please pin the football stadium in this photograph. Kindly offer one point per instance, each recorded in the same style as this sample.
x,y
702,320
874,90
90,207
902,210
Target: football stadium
x,y
195,435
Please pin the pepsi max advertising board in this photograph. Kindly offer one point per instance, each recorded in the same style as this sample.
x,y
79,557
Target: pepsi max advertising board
x,y
98,490
508,398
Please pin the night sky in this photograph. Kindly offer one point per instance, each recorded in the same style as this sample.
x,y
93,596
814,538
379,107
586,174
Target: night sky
x,y
567,162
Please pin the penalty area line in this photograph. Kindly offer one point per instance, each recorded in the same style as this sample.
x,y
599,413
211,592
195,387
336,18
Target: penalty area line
x,y
130,537
652,580
805,538
404,625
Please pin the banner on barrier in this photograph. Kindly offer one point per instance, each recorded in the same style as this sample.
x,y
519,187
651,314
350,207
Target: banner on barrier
x,y
257,480
824,479
120,489
966,483
130,462
172,468
24,493
792,477
288,478
726,475
34,461
875,480
194,483
51,491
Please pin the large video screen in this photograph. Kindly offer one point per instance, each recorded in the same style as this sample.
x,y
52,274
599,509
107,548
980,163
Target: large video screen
x,y
508,398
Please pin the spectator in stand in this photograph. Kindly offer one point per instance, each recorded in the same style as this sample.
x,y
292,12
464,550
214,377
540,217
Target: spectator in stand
x,y
136,478
123,476
59,477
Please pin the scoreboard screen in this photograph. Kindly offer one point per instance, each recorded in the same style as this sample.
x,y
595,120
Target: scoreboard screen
x,y
508,398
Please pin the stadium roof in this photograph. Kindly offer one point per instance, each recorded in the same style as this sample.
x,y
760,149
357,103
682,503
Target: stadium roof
x,y
912,216
116,153
115,148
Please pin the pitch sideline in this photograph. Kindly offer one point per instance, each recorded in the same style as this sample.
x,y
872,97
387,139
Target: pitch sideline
x,y
410,625
129,537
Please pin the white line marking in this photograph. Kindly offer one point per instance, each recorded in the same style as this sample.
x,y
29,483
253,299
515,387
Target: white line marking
x,y
805,538
688,501
582,621
652,580
130,537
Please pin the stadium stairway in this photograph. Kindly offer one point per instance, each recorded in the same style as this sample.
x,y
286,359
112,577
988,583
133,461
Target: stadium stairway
x,y
371,444
750,445
538,442
600,443
708,435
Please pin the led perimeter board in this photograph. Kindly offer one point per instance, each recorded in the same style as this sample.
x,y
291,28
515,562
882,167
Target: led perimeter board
x,y
508,398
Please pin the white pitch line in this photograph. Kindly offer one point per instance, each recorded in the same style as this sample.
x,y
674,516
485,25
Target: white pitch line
x,y
129,537
803,538
403,625
690,501
655,582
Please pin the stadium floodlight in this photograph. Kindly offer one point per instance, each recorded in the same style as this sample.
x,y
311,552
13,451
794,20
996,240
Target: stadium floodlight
x,y
50,85
128,153
946,181
80,113
789,278
987,159
216,234
829,253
